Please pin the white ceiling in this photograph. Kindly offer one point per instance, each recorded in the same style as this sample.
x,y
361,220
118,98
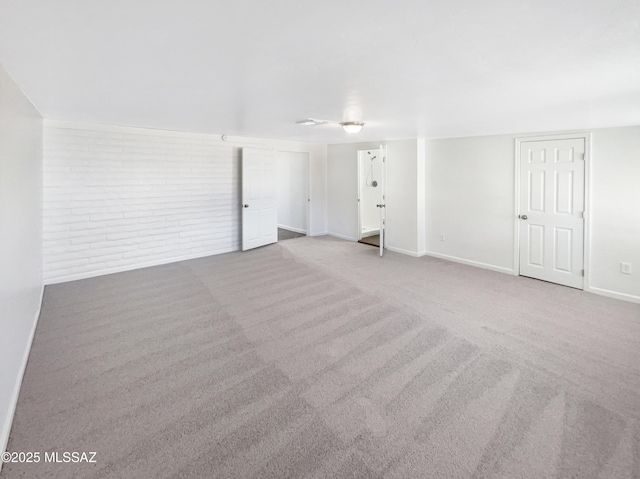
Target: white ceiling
x,y
410,68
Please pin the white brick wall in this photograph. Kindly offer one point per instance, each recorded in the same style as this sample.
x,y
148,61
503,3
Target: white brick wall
x,y
117,199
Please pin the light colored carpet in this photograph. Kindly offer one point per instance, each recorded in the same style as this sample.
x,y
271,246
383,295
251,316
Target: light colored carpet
x,y
314,358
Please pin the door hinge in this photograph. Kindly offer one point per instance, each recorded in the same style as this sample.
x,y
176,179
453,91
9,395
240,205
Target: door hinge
x,y
582,215
582,272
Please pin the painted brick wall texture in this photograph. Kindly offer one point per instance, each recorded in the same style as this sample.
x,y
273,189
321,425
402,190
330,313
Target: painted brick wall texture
x,y
119,200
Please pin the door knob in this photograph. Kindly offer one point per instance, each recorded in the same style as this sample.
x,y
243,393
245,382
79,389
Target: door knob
x,y
380,206
246,206
522,217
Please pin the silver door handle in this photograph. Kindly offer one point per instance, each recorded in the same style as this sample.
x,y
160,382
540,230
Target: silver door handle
x,y
522,217
246,206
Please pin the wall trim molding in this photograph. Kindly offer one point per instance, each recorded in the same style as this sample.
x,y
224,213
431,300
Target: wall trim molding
x,y
403,251
13,403
344,237
74,125
122,269
291,228
613,294
478,264
216,139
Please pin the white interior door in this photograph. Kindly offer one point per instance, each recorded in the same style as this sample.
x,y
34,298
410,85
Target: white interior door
x,y
383,195
551,223
259,202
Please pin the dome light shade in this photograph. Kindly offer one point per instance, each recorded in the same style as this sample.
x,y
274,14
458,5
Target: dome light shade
x,y
352,126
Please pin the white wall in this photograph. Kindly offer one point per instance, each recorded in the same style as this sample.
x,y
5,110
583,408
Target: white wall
x,y
403,182
342,189
422,202
615,211
469,197
318,216
120,198
20,240
292,178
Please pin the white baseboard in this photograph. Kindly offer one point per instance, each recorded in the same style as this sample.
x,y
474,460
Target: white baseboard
x,y
122,269
469,262
13,403
291,228
336,235
403,251
613,294
318,233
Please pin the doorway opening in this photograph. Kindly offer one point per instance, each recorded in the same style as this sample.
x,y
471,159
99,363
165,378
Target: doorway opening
x,y
370,195
292,183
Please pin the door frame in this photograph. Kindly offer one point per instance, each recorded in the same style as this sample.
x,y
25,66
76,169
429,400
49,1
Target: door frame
x,y
359,235
587,137
383,151
307,186
383,193
359,193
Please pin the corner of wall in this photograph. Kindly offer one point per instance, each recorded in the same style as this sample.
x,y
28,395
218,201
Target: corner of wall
x,y
21,213
5,431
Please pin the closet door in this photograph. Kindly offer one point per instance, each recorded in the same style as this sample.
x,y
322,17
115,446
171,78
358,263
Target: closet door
x,y
259,202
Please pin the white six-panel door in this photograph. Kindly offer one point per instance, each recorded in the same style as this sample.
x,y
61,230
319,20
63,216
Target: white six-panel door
x,y
259,202
551,224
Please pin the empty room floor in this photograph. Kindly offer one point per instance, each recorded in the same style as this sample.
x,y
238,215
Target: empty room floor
x,y
315,358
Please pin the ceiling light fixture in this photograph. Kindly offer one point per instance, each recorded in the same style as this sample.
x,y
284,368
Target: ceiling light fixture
x,y
352,126
311,122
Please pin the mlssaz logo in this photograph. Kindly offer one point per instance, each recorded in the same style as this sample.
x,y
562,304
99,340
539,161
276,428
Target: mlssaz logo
x,y
69,457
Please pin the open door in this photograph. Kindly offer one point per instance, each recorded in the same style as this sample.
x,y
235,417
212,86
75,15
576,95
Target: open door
x,y
259,202
383,201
